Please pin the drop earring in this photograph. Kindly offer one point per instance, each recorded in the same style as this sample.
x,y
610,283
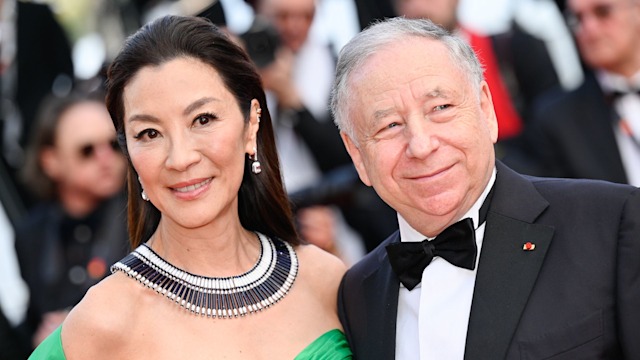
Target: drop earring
x,y
256,168
143,194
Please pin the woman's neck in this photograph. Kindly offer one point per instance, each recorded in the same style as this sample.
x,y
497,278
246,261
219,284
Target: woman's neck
x,y
214,251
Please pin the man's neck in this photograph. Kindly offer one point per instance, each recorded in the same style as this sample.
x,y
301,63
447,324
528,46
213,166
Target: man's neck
x,y
615,81
627,69
77,203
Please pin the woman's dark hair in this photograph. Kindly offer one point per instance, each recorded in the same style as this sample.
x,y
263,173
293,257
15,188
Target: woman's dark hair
x,y
263,205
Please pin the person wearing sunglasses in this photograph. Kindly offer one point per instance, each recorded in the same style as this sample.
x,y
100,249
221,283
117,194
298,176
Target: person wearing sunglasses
x,y
77,227
594,131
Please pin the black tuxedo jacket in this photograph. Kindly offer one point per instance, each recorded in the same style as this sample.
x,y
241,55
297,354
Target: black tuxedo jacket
x,y
576,296
571,135
46,257
43,54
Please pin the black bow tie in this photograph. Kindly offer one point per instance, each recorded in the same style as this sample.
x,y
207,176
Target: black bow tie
x,y
456,244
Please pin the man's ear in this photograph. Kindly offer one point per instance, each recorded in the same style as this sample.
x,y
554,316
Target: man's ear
x,y
356,157
486,104
49,162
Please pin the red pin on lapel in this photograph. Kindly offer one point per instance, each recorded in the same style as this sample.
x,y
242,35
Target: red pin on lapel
x,y
529,246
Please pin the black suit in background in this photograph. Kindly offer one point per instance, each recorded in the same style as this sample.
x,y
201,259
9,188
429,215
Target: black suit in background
x,y
340,185
571,135
13,346
43,54
525,67
370,11
55,253
575,296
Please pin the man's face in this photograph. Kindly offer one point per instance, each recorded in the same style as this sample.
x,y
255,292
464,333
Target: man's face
x,y
441,12
85,159
423,134
292,18
607,33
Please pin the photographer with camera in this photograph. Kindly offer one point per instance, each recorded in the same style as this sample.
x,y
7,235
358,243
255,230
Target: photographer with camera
x,y
334,210
308,146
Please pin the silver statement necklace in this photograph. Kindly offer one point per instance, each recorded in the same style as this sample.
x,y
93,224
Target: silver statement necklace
x,y
228,297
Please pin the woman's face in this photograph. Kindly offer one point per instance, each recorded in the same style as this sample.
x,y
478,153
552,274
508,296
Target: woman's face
x,y
188,140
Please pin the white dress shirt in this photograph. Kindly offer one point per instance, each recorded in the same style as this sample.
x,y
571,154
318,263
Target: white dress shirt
x,y
434,326
628,107
14,293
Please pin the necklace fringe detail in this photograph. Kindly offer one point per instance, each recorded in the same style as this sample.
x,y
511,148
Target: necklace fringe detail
x,y
229,297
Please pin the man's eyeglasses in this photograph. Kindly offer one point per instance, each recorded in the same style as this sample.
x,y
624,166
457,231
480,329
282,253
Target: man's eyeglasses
x,y
89,150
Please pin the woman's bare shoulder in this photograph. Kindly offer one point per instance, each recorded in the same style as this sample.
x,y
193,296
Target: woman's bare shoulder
x,y
96,326
320,268
315,256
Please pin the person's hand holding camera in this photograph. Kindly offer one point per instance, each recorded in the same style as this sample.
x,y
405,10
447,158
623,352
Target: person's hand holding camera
x,y
277,77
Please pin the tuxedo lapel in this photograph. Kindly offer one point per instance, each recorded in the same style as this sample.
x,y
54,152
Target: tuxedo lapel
x,y
381,289
506,272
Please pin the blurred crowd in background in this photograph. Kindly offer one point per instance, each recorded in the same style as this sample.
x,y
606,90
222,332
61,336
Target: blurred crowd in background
x,y
557,72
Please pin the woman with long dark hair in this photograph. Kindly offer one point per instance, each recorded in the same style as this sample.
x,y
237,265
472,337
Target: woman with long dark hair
x,y
218,271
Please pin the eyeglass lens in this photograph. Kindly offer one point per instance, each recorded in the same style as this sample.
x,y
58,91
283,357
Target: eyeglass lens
x,y
89,150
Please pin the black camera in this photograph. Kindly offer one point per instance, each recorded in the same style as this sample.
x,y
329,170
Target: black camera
x,y
261,41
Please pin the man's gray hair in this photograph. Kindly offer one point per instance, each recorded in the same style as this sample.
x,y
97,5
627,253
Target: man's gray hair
x,y
369,41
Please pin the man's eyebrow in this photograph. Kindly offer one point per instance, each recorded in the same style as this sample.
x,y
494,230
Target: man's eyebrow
x,y
381,114
436,93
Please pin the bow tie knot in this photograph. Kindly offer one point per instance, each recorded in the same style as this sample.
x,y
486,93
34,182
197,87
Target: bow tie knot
x,y
456,244
428,248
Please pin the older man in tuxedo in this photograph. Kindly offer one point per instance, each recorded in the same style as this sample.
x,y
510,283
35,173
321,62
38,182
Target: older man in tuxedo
x,y
487,263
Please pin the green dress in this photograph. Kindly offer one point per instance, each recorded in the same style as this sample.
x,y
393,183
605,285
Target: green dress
x,y
331,345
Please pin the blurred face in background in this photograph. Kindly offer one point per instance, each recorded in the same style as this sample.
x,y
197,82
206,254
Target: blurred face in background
x,y
86,159
441,12
292,18
607,33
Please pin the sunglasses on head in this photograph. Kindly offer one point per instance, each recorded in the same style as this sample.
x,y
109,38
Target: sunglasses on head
x,y
89,150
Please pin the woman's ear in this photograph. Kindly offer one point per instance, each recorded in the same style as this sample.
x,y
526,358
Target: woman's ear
x,y
252,129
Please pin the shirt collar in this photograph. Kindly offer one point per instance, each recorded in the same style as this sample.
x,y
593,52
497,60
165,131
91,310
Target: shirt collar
x,y
615,82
